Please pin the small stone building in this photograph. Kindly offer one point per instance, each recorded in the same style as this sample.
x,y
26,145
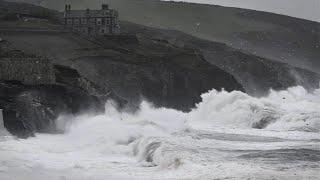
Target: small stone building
x,y
92,22
30,71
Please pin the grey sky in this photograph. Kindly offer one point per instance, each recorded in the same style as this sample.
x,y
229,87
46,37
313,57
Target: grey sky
x,y
307,9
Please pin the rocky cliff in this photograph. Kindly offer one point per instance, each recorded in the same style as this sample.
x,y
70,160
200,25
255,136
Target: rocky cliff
x,y
255,73
34,92
29,109
165,67
86,72
158,72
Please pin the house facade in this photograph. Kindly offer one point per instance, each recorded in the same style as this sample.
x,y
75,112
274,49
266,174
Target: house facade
x,y
92,22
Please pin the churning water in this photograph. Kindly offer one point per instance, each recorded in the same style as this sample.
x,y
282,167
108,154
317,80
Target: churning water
x,y
227,136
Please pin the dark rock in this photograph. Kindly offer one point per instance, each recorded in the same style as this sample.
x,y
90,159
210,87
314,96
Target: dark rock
x,y
158,72
31,109
256,74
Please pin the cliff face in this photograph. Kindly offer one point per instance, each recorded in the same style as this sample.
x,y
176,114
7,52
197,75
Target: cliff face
x,y
143,69
256,74
160,81
167,68
83,73
30,109
34,92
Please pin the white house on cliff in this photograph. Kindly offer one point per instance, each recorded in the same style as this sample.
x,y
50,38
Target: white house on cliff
x,y
92,22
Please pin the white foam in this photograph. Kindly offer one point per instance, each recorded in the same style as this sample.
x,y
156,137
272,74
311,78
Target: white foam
x,y
291,110
3,132
168,144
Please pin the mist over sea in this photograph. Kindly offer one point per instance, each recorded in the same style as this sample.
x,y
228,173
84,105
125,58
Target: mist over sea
x,y
227,136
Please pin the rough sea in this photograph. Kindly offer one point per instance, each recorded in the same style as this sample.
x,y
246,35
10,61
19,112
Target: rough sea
x,y
229,135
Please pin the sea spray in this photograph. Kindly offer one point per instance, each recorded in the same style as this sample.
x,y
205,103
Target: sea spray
x,y
3,132
241,111
215,140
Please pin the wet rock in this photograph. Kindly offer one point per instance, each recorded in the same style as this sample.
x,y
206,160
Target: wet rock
x,y
30,109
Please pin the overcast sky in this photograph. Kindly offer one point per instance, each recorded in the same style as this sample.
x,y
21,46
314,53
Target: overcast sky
x,y
307,9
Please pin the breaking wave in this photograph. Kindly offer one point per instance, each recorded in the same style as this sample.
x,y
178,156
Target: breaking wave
x,y
294,109
146,131
222,126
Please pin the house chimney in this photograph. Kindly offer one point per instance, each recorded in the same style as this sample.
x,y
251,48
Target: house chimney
x,y
105,6
69,7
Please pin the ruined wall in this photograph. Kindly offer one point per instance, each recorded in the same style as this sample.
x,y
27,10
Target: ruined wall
x,y
33,71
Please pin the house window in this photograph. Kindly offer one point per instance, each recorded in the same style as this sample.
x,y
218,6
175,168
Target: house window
x,y
83,21
107,12
69,21
92,21
107,21
99,21
76,21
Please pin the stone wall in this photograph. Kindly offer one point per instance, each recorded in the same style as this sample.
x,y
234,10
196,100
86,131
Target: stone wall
x,y
32,71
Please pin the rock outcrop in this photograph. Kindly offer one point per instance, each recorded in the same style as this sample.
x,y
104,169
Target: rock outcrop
x,y
28,109
34,92
31,109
